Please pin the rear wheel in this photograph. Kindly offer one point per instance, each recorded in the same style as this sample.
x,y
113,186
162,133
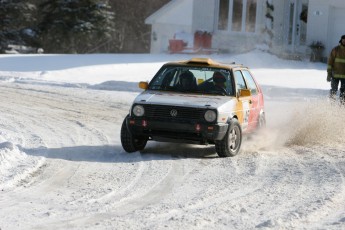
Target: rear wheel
x,y
131,143
231,143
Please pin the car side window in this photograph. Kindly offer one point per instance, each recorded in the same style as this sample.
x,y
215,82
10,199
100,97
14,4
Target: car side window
x,y
240,83
250,82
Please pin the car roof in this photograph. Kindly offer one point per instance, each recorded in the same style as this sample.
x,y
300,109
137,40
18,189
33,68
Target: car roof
x,y
202,62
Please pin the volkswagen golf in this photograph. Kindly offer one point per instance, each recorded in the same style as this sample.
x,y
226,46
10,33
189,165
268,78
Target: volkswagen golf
x,y
197,101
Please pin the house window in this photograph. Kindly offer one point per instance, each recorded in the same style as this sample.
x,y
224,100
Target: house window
x,y
251,15
237,15
223,15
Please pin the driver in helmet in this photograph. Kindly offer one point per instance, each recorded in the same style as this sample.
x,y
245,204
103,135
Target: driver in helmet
x,y
219,80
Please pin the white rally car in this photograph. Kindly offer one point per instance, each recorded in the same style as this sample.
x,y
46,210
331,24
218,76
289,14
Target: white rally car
x,y
196,101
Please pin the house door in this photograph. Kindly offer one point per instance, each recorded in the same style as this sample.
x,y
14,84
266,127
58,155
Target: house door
x,y
297,23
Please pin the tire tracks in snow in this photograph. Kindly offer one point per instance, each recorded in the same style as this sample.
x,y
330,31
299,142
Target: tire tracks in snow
x,y
53,124
88,181
130,199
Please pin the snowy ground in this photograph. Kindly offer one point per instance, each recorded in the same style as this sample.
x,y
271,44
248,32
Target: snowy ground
x,y
62,165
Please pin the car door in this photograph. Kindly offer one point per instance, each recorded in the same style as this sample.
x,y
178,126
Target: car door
x,y
243,107
255,108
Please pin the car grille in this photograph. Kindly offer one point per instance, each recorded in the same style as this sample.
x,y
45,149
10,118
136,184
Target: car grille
x,y
173,112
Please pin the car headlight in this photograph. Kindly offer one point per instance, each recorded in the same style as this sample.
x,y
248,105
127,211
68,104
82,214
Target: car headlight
x,y
138,110
210,116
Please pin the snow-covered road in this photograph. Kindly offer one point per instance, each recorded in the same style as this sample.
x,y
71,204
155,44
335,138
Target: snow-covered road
x,y
63,167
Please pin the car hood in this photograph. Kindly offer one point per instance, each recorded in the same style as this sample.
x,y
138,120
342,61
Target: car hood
x,y
182,99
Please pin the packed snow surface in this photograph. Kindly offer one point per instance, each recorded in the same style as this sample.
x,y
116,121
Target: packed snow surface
x,y
62,165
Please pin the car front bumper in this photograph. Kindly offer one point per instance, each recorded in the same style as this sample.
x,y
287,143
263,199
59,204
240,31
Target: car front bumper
x,y
169,130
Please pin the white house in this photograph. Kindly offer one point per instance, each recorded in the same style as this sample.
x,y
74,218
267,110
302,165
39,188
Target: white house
x,y
287,27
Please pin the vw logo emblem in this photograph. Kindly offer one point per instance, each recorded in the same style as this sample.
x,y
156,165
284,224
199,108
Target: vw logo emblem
x,y
173,112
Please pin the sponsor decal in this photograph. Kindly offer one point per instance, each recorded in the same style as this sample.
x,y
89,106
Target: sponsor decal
x,y
173,112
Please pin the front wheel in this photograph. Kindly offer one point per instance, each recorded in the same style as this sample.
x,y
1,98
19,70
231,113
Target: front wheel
x,y
231,143
129,142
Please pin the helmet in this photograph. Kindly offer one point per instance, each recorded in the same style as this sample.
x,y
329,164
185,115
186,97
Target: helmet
x,y
218,77
187,80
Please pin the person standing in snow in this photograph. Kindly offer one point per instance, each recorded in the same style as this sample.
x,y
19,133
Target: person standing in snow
x,y
336,70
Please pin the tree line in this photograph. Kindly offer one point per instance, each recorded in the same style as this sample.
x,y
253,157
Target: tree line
x,y
77,26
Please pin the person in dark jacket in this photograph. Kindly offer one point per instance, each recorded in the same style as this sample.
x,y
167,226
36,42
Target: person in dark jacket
x,y
336,70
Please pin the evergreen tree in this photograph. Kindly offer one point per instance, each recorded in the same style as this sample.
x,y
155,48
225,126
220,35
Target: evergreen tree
x,y
131,34
74,26
17,19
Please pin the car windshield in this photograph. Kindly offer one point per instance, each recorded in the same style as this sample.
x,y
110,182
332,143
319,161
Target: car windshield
x,y
191,79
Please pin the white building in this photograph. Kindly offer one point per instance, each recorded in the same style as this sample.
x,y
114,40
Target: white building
x,y
287,27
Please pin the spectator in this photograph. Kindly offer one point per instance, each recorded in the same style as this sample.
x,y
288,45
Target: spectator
x,y
336,70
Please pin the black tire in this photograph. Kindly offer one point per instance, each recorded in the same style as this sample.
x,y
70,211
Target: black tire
x,y
231,143
129,142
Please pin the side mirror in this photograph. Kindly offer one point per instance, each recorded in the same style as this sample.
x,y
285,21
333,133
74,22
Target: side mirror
x,y
143,85
245,93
